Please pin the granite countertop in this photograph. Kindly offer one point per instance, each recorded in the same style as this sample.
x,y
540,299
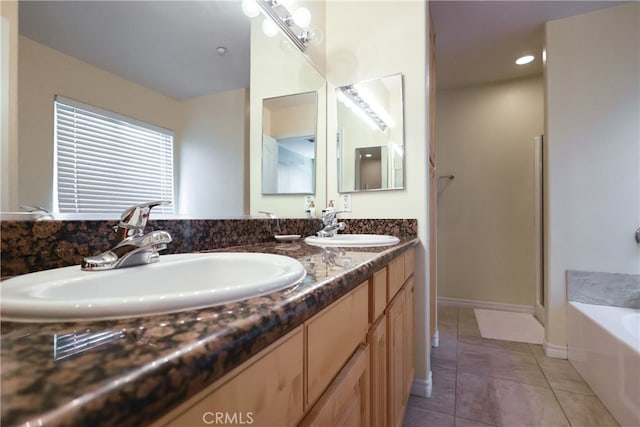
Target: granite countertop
x,y
137,369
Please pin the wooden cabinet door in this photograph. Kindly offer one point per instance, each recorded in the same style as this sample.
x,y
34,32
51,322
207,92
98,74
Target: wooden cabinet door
x,y
332,337
409,366
346,401
266,393
377,294
395,360
377,340
395,277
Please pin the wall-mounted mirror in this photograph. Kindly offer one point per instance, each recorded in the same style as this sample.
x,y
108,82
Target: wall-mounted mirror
x,y
285,105
370,135
182,66
289,144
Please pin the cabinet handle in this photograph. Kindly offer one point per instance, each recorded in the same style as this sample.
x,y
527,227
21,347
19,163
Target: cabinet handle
x,y
638,235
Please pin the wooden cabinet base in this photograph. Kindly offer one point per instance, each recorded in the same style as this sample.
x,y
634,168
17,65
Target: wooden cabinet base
x,y
346,401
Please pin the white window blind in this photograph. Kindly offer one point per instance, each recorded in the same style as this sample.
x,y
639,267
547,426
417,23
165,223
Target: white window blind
x,y
105,162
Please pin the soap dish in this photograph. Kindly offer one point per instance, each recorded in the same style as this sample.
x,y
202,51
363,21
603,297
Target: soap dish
x,y
286,237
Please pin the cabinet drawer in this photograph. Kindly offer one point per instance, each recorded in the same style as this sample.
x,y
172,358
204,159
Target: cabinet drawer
x,y
268,392
346,401
395,278
332,336
378,294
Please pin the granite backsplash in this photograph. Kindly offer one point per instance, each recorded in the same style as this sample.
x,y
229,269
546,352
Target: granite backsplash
x,y
28,246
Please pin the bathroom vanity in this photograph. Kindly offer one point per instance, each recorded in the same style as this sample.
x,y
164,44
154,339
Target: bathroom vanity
x,y
336,348
351,364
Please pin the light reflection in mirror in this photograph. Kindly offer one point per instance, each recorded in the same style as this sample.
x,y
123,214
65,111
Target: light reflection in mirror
x,y
370,135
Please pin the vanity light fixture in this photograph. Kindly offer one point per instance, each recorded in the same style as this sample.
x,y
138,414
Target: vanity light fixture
x,y
365,107
525,59
293,25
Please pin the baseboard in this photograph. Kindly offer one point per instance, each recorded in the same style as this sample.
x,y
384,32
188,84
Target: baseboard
x,y
467,303
539,314
436,339
553,350
422,388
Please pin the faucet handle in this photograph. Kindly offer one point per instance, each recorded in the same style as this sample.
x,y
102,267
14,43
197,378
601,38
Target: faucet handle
x,y
135,218
269,214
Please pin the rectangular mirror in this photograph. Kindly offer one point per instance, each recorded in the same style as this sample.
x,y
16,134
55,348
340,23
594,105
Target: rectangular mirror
x,y
182,66
289,144
370,135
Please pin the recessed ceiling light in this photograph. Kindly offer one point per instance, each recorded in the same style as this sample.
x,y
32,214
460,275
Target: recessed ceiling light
x,y
221,50
525,59
368,155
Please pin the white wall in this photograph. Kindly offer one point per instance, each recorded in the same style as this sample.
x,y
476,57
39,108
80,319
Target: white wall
x,y
211,146
592,178
485,215
366,41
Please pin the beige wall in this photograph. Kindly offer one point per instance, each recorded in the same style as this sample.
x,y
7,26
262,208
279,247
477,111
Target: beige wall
x,y
356,53
277,72
486,214
211,152
593,153
8,105
211,137
44,73
299,120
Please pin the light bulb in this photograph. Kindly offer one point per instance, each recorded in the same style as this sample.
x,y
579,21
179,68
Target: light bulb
x,y
302,17
250,8
269,27
285,44
525,59
313,37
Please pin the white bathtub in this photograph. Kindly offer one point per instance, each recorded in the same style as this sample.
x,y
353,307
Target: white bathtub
x,y
604,346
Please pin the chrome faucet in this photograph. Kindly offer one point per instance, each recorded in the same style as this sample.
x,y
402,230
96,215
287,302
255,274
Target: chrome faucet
x,y
276,230
330,223
133,246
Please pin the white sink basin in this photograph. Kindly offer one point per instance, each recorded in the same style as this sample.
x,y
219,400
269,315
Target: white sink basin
x,y
175,283
360,240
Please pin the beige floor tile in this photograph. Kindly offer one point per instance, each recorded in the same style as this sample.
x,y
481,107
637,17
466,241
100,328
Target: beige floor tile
x,y
527,405
585,411
467,315
468,330
563,376
560,374
443,396
448,335
446,350
497,345
461,422
476,399
447,315
418,417
438,364
509,365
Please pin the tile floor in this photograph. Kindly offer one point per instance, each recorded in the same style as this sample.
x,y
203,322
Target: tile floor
x,y
479,382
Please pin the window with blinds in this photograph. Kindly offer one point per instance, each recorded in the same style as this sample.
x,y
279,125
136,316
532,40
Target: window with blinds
x,y
105,162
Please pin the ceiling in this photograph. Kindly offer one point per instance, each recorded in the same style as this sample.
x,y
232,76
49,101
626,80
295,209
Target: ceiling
x,y
478,41
167,46
170,46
